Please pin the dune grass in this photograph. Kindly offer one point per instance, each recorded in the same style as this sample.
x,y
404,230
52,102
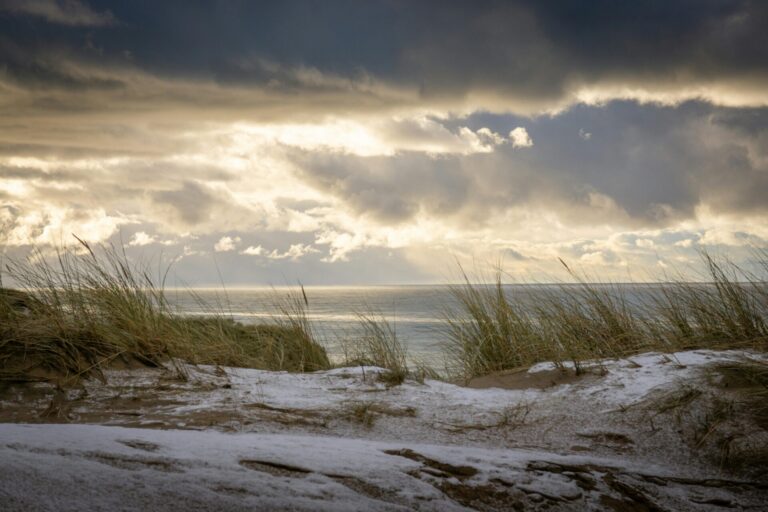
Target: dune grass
x,y
494,328
490,331
729,310
90,308
724,417
375,343
748,378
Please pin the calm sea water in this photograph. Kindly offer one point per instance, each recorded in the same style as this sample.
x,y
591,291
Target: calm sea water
x,y
416,313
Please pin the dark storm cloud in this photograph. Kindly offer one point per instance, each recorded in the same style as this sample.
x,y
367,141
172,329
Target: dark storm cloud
x,y
180,119
529,45
751,122
538,50
45,75
391,189
701,36
65,12
640,165
524,51
191,203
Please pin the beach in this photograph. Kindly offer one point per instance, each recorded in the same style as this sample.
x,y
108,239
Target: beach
x,y
237,439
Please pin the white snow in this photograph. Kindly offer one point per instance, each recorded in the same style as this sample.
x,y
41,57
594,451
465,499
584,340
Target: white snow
x,y
218,436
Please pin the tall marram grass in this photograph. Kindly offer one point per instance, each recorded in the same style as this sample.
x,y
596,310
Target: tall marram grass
x,y
375,342
730,309
490,331
90,307
494,328
589,320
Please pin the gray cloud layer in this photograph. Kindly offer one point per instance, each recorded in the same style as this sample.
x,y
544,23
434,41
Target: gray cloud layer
x,y
522,56
645,166
65,12
343,127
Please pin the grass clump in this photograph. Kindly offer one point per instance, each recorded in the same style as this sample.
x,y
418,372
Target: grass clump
x,y
678,399
91,307
748,379
376,344
726,426
220,340
588,320
743,446
491,329
730,309
722,415
362,413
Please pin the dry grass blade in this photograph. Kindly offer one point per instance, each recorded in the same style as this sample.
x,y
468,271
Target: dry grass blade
x,y
376,343
89,306
493,328
490,331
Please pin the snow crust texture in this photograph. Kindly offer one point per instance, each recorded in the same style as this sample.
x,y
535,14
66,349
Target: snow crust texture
x,y
237,439
89,467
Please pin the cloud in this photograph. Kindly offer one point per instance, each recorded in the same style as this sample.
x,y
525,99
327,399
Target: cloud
x,y
645,243
600,258
481,141
521,57
520,138
412,142
253,250
64,12
49,225
226,244
508,254
391,189
342,244
294,253
650,167
381,136
731,238
141,238
189,205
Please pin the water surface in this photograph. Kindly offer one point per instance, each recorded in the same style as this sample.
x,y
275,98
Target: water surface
x,y
416,312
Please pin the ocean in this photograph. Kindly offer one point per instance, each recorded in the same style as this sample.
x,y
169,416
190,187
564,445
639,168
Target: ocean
x,y
415,312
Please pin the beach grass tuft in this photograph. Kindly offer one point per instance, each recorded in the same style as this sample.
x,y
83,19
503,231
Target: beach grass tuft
x,y
494,328
90,307
490,331
375,343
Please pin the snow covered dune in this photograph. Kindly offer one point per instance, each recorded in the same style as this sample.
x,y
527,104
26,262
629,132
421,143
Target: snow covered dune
x,y
624,436
87,467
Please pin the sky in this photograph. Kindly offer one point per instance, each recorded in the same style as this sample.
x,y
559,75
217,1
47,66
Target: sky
x,y
386,141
